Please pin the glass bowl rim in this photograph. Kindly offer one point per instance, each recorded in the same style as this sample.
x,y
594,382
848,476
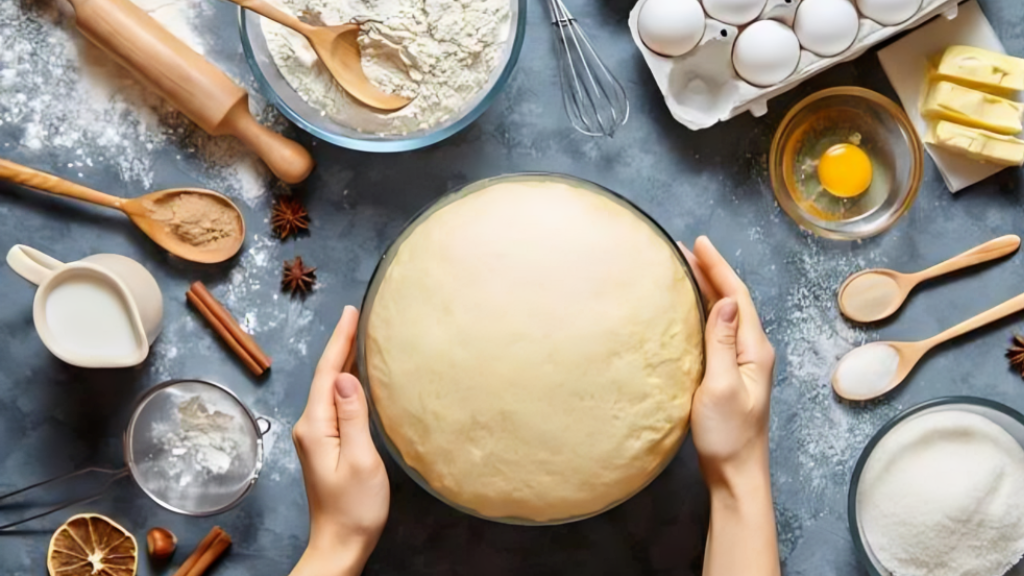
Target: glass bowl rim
x,y
397,144
911,140
253,419
366,309
859,546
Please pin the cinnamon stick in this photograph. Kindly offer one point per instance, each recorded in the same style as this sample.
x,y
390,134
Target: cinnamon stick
x,y
224,334
206,553
229,322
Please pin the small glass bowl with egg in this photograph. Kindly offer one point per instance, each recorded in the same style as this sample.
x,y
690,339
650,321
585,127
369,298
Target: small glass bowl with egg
x,y
846,163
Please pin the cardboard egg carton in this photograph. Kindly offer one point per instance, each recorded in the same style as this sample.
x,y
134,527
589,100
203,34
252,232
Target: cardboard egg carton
x,y
701,88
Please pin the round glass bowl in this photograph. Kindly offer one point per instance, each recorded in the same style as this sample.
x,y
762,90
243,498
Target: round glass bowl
x,y
855,116
1004,416
381,271
275,88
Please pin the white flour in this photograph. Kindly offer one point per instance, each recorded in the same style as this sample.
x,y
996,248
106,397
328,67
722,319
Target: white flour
x,y
438,52
65,106
941,496
206,442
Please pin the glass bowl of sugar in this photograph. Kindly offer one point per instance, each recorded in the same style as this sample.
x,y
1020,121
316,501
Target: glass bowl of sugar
x,y
937,491
453,66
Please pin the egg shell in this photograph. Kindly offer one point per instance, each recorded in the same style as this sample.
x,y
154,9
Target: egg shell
x,y
736,12
766,53
826,27
671,27
889,12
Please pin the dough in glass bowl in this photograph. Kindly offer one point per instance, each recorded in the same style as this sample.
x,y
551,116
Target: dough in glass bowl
x,y
533,350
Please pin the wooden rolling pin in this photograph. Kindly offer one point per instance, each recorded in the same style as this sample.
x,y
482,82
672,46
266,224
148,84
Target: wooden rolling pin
x,y
190,83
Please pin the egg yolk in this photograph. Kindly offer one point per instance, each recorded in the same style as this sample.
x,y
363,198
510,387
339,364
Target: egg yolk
x,y
844,170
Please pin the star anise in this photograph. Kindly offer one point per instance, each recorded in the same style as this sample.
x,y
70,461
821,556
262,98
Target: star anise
x,y
297,278
1016,353
288,217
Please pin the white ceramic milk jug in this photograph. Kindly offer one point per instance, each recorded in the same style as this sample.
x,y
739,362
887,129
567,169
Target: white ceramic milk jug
x,y
103,311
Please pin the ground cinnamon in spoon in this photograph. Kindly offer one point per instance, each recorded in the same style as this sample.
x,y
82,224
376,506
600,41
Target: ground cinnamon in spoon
x,y
197,219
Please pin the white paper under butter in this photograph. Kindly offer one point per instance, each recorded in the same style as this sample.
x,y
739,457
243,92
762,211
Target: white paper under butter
x,y
906,64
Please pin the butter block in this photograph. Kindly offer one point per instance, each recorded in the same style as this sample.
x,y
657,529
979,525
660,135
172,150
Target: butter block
x,y
948,101
981,69
977,144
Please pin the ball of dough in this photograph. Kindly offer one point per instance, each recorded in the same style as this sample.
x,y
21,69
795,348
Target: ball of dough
x,y
533,350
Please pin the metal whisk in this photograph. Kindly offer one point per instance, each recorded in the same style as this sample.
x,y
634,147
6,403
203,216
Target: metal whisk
x,y
594,99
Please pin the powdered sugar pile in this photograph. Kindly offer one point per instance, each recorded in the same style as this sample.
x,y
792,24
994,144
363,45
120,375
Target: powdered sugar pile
x,y
64,103
441,53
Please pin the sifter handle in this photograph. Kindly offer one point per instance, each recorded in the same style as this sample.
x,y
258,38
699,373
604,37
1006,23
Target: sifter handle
x,y
114,475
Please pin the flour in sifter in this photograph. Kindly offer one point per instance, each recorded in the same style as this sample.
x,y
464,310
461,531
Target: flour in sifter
x,y
441,53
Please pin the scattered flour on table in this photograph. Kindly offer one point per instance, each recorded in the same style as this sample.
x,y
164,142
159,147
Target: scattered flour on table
x,y
819,437
64,103
438,52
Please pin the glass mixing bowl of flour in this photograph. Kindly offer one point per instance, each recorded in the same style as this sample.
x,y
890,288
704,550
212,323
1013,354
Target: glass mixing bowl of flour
x,y
289,75
1003,417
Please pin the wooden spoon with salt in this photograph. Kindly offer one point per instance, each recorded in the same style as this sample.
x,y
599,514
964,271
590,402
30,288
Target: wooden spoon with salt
x,y
875,294
338,48
153,214
874,369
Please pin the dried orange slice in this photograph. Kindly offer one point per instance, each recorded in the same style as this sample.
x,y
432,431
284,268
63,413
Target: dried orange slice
x,y
92,545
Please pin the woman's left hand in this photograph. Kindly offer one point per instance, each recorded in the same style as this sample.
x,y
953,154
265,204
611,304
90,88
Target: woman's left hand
x,y
346,482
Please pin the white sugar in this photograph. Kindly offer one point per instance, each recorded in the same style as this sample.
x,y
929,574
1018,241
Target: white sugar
x,y
941,495
867,371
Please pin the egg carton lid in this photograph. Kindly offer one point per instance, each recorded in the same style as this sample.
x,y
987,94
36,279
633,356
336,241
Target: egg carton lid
x,y
701,88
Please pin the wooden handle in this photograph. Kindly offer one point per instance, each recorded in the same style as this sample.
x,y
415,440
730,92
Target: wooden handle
x,y
190,83
988,251
48,183
1011,306
287,159
268,10
129,35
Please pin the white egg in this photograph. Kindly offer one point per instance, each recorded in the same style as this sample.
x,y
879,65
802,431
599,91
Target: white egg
x,y
766,53
736,12
671,27
826,27
889,12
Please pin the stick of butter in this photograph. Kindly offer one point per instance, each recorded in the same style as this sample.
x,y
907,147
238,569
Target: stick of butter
x,y
981,69
947,101
977,144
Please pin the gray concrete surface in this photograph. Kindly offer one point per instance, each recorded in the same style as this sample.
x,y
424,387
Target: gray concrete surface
x,y
55,418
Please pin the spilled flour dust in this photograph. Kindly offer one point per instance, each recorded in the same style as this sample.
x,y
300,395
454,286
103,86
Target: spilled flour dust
x,y
63,100
816,442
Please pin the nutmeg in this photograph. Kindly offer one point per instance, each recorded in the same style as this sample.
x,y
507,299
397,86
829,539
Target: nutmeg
x,y
161,543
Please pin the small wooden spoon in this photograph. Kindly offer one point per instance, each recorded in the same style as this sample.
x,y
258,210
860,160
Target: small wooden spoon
x,y
338,48
875,294
870,371
139,210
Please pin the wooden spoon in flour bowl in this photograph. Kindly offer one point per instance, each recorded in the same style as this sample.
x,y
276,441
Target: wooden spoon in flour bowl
x,y
338,48
191,223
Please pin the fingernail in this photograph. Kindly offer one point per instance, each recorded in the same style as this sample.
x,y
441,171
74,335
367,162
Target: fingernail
x,y
348,309
728,311
347,387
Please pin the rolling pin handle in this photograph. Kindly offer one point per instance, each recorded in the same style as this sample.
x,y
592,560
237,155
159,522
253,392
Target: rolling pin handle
x,y
287,159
